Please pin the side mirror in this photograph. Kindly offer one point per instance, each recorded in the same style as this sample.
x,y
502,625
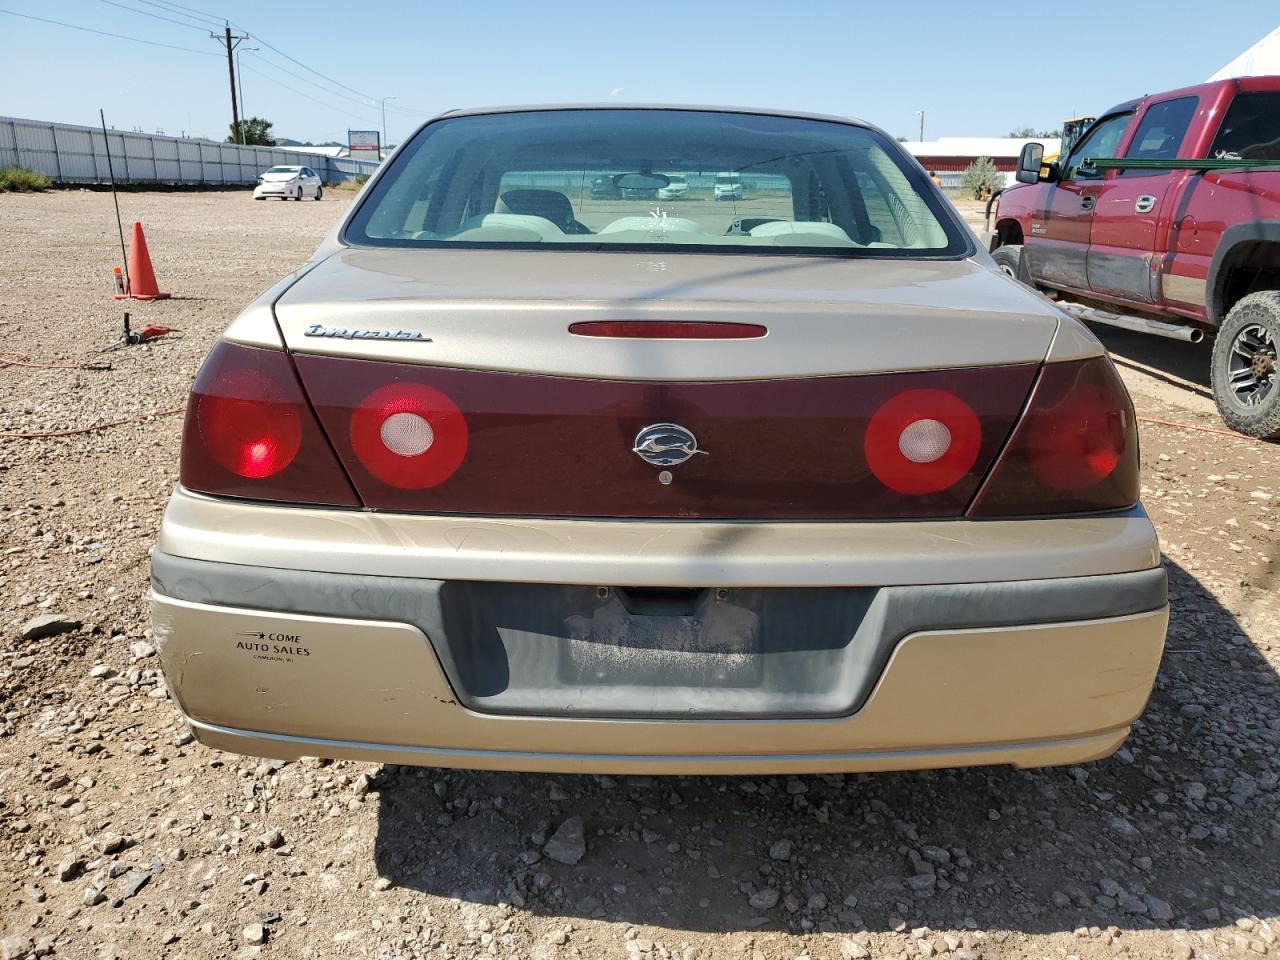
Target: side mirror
x,y
1029,163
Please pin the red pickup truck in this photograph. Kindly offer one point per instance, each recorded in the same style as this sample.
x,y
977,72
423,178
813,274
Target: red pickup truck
x,y
1164,217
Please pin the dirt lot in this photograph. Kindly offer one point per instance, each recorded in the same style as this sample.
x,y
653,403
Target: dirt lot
x,y
122,838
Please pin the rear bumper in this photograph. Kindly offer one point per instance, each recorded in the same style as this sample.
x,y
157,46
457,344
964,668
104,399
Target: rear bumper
x,y
651,552
1038,753
371,684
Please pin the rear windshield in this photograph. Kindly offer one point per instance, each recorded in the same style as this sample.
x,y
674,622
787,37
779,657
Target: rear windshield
x,y
1250,130
283,170
600,179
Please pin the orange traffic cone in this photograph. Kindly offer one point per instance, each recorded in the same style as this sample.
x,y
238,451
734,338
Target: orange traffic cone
x,y
142,279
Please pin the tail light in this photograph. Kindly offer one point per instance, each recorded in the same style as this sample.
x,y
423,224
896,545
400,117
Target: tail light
x,y
429,439
250,432
409,435
1075,449
922,441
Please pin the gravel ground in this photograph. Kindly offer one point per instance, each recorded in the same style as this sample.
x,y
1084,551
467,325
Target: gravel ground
x,y
123,838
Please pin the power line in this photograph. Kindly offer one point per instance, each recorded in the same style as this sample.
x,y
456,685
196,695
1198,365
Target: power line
x,y
298,76
369,100
197,19
336,83
333,93
148,13
329,106
170,5
104,33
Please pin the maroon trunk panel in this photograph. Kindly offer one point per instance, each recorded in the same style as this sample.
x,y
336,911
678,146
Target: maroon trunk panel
x,y
561,447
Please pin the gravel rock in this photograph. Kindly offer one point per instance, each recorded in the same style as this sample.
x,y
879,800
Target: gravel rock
x,y
567,845
1158,909
935,855
49,625
134,881
15,947
254,934
110,842
765,899
69,868
780,850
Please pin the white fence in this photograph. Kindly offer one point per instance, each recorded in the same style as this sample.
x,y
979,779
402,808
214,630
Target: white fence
x,y
72,154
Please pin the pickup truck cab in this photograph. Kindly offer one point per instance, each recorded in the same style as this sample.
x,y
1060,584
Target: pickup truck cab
x,y
1182,250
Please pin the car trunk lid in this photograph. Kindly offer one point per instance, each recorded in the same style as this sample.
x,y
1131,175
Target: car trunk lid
x,y
511,311
450,382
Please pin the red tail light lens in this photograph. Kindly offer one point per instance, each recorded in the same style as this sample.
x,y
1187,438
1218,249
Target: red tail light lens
x,y
250,432
409,435
249,427
922,441
1076,449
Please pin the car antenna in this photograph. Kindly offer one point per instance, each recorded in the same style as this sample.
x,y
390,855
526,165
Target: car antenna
x,y
111,173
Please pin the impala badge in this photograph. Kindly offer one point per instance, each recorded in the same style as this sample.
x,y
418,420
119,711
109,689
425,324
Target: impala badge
x,y
344,333
666,444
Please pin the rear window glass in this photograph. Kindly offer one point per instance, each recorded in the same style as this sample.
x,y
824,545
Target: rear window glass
x,y
1161,131
677,180
283,170
1250,130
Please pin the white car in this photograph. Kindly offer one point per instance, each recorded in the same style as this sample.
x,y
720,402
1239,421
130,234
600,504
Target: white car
x,y
677,188
728,186
289,183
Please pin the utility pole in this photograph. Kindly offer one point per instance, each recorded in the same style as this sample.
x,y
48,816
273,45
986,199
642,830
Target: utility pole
x,y
240,81
920,114
231,41
382,152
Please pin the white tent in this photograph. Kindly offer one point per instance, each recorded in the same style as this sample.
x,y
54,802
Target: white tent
x,y
1262,59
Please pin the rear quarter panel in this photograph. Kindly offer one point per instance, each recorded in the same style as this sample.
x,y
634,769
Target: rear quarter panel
x,y
1207,223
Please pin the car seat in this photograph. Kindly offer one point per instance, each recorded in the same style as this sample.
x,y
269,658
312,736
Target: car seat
x,y
548,204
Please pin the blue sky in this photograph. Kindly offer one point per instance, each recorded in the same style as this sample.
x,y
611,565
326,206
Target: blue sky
x,y
974,68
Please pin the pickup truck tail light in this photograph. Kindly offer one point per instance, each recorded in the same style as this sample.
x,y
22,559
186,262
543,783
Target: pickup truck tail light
x,y
250,432
1075,449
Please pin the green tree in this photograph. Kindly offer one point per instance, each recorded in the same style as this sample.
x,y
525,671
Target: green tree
x,y
254,132
1022,133
981,177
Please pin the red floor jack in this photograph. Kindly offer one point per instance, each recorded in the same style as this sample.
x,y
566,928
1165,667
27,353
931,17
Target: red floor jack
x,y
150,332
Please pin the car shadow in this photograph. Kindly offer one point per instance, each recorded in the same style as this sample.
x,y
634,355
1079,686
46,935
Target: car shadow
x,y
1174,362
1178,829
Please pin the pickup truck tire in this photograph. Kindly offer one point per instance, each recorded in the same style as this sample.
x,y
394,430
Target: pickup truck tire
x,y
1009,260
1246,382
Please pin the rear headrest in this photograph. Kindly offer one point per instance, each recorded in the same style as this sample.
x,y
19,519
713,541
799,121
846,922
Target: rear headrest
x,y
548,204
777,228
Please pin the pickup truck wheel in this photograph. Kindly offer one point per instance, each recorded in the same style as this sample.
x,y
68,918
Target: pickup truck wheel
x,y
1009,260
1246,382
